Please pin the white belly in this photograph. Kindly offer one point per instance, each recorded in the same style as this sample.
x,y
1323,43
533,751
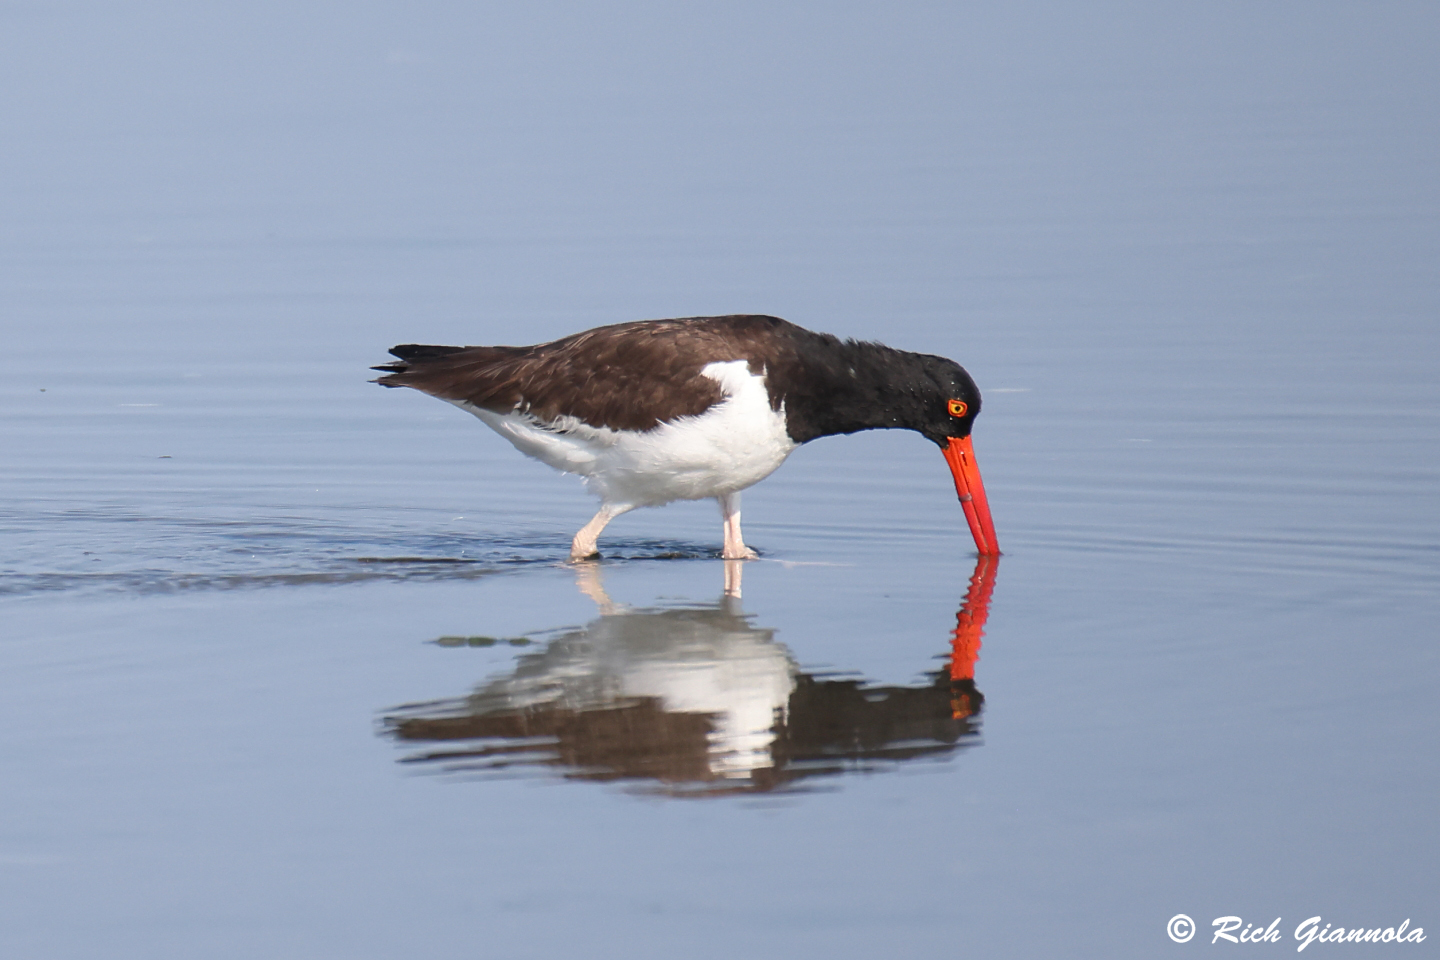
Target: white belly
x,y
731,446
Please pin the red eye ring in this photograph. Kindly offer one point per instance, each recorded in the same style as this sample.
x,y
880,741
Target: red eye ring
x,y
957,408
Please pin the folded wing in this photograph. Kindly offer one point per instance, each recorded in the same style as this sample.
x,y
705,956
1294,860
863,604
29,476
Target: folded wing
x,y
630,376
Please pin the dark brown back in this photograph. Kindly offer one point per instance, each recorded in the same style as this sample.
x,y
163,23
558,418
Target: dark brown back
x,y
630,376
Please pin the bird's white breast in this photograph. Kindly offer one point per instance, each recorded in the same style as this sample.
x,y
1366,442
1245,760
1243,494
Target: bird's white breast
x,y
736,443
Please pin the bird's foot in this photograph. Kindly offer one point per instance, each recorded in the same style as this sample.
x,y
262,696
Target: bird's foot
x,y
583,548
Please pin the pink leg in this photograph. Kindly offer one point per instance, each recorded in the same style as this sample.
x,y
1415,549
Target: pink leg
x,y
735,548
583,546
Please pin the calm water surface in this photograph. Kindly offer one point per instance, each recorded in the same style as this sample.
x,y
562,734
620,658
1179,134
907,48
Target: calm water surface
x,y
291,665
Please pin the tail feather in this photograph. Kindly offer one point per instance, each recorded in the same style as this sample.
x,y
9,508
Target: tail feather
x,y
428,367
409,354
423,351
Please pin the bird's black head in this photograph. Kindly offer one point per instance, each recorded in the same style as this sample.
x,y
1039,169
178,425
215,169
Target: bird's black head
x,y
854,386
945,400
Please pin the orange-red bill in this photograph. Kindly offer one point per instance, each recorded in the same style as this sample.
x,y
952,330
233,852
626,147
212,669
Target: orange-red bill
x,y
961,457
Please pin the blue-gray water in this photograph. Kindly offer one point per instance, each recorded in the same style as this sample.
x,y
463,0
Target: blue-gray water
x,y
1187,250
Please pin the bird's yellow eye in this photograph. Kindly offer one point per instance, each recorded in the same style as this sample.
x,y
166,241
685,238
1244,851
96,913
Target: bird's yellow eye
x,y
957,408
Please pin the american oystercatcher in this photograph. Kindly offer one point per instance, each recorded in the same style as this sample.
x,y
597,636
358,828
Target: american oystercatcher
x,y
660,410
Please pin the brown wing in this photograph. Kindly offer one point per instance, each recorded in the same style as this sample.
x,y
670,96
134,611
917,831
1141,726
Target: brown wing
x,y
630,376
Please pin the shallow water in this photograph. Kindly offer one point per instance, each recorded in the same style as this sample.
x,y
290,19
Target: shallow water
x,y
292,665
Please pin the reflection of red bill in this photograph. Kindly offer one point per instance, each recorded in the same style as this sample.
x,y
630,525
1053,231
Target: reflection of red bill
x,y
961,457
970,620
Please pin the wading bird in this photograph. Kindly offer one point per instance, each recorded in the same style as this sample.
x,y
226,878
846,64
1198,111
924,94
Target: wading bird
x,y
661,410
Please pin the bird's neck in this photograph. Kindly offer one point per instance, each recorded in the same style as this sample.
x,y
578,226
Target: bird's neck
x,y
835,387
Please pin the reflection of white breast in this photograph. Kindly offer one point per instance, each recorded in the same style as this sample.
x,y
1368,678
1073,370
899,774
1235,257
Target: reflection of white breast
x,y
691,660
745,686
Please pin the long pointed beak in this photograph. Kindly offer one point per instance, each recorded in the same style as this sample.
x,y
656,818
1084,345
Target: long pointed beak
x,y
961,457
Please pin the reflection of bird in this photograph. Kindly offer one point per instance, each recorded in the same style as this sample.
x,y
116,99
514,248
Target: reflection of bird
x,y
662,410
686,694
697,698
